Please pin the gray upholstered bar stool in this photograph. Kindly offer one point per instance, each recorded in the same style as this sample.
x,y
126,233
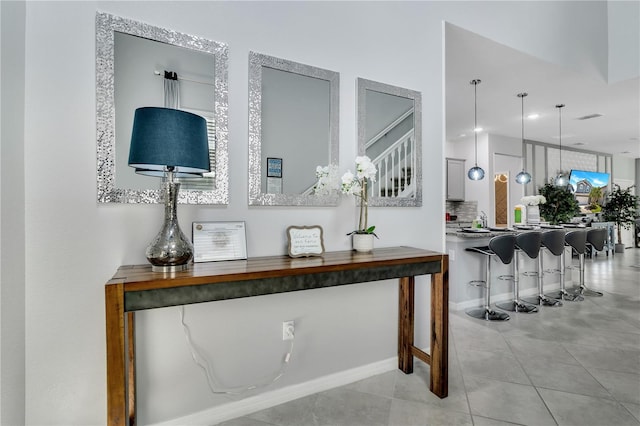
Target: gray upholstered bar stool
x,y
502,246
596,237
554,242
555,239
529,243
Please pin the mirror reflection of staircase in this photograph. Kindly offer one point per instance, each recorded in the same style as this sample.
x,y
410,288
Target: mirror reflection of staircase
x,y
398,184
394,157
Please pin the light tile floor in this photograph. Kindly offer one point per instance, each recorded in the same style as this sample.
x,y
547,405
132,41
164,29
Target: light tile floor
x,y
574,365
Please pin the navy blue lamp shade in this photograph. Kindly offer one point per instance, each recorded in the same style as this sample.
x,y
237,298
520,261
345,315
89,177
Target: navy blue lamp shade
x,y
165,138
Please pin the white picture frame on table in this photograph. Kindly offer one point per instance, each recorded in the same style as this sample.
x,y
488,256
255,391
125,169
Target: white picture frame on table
x,y
218,241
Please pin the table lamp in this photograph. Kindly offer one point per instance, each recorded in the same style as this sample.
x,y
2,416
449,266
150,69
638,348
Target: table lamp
x,y
169,143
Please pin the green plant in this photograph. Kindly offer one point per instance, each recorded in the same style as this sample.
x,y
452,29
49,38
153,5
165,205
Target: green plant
x,y
561,205
621,207
595,195
595,208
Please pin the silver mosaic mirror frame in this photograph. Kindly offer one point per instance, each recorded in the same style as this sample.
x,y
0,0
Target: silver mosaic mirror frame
x,y
257,62
106,26
365,85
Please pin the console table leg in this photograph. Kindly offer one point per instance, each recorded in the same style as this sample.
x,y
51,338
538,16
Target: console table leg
x,y
405,324
439,378
131,370
115,330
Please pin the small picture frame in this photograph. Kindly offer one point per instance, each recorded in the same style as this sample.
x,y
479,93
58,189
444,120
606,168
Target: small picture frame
x,y
305,241
216,241
274,167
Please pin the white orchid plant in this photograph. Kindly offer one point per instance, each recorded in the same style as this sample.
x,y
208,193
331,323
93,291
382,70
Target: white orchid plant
x,y
533,200
350,184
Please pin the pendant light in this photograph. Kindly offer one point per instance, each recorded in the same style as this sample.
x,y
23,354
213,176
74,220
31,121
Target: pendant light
x,y
561,179
475,173
523,177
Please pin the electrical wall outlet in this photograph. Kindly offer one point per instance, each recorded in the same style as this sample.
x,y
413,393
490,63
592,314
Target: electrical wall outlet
x,y
288,330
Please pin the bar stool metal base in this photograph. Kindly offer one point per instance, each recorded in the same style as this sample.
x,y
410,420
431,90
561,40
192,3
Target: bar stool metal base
x,y
543,301
584,291
488,314
566,296
517,306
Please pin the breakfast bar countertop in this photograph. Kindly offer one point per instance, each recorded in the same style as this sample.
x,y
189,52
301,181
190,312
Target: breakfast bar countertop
x,y
468,232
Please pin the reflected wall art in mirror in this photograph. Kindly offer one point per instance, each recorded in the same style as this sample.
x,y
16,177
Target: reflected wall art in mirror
x,y
139,65
390,133
293,128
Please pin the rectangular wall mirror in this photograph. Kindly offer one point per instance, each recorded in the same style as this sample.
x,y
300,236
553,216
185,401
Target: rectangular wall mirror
x,y
293,128
390,133
141,65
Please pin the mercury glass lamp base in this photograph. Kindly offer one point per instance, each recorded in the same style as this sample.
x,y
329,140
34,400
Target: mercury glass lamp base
x,y
169,268
170,251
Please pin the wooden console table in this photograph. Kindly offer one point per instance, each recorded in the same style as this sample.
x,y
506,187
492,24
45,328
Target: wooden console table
x,y
135,288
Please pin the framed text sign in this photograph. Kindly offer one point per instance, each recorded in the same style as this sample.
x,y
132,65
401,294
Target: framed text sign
x,y
214,241
305,241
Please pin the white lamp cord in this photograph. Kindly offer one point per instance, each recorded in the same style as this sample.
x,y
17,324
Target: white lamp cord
x,y
202,363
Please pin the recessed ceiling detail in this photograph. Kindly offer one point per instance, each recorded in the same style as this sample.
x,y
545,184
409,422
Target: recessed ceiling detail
x,y
468,54
589,117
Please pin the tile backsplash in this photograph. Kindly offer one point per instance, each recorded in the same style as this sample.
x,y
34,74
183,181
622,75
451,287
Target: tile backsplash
x,y
465,210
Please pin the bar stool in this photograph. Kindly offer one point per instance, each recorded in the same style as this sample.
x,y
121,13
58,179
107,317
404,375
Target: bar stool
x,y
554,242
596,237
502,246
578,241
553,238
528,242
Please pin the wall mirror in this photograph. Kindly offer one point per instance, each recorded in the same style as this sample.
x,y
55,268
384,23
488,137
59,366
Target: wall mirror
x,y
293,128
390,133
141,65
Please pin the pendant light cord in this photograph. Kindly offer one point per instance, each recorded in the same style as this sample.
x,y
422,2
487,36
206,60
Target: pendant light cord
x,y
560,106
522,95
560,134
475,116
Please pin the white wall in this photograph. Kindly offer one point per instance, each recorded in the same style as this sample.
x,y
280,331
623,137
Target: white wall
x,y
12,209
623,167
624,40
73,245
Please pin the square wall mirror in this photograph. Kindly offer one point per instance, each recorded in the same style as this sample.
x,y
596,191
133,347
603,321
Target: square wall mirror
x,y
293,128
139,65
390,134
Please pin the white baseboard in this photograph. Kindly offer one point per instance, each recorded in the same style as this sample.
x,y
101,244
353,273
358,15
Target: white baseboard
x,y
265,400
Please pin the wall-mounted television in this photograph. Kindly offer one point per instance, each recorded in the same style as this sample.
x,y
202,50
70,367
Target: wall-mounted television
x,y
582,181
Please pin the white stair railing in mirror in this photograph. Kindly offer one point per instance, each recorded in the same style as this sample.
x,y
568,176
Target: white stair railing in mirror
x,y
394,167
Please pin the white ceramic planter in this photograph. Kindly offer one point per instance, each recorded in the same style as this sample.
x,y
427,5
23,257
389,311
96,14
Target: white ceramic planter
x,y
362,242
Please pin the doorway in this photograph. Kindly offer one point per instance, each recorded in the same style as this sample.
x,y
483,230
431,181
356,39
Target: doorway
x,y
501,198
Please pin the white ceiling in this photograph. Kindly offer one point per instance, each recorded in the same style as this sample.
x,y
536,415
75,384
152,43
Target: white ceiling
x,y
505,72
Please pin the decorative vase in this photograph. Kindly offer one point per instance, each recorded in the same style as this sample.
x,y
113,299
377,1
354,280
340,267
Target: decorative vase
x,y
362,242
533,215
